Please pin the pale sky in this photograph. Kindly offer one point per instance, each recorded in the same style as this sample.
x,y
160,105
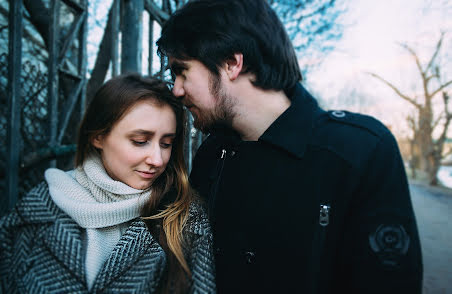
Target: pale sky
x,y
370,43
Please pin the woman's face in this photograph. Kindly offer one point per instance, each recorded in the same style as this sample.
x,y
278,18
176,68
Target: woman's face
x,y
138,148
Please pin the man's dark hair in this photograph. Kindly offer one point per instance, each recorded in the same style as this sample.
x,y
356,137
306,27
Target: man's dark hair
x,y
212,31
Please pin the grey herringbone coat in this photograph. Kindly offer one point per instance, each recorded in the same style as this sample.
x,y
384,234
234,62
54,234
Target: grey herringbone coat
x,y
41,252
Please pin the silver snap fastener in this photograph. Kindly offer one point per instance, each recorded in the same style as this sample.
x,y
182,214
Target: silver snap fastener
x,y
250,257
338,113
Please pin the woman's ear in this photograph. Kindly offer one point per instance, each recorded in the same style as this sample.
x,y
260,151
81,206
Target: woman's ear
x,y
234,66
97,141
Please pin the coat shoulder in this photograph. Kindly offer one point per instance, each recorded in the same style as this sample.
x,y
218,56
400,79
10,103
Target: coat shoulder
x,y
352,136
35,206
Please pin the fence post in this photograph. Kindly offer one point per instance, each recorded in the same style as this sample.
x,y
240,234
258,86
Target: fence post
x,y
114,38
151,44
53,74
14,102
132,36
83,36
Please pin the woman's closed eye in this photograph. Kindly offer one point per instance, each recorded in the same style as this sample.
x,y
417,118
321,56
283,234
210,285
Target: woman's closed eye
x,y
165,145
139,142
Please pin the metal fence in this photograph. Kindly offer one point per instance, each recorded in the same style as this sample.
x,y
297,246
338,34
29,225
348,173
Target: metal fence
x,y
44,98
43,93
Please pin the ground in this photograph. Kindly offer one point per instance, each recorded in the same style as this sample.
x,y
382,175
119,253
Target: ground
x,y
433,210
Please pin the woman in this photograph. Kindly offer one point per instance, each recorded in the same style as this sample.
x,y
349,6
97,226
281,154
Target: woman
x,y
81,231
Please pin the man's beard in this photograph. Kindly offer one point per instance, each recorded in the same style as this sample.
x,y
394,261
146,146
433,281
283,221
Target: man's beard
x,y
223,113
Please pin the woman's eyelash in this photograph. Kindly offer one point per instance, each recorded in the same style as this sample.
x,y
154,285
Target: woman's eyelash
x,y
166,145
139,143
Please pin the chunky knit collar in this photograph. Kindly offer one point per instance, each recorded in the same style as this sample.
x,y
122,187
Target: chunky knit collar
x,y
92,198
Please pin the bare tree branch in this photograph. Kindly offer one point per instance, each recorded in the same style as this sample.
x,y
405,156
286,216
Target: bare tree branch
x,y
438,119
423,73
435,75
416,58
442,87
438,47
396,90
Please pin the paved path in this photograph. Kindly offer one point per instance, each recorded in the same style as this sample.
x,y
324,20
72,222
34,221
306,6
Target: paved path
x,y
433,209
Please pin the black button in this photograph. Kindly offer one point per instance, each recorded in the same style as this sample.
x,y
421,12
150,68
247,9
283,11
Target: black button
x,y
250,257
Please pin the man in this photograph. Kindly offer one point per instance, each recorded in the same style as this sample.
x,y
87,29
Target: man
x,y
301,200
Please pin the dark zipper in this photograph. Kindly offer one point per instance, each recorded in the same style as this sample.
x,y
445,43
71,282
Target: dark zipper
x,y
324,220
215,185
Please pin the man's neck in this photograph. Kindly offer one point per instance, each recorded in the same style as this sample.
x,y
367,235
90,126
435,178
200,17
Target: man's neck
x,y
257,109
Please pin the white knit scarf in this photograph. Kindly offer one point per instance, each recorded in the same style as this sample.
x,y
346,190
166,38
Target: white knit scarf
x,y
98,203
92,198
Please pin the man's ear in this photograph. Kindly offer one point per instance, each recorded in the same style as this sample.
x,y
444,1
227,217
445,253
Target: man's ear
x,y
234,66
97,142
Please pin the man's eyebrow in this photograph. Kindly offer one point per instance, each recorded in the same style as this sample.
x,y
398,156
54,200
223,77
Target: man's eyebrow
x,y
177,66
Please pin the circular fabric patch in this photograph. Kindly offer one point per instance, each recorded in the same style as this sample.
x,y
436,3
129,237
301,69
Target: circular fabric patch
x,y
390,243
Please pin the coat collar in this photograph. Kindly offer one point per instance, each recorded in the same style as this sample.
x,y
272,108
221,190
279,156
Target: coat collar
x,y
64,241
291,131
137,252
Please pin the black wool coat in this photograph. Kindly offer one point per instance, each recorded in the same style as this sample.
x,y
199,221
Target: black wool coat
x,y
319,204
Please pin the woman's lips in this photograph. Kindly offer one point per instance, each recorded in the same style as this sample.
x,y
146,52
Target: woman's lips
x,y
146,175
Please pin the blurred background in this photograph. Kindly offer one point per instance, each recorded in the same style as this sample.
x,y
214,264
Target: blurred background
x,y
388,59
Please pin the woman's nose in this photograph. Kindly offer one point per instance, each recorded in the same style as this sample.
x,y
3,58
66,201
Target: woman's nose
x,y
154,157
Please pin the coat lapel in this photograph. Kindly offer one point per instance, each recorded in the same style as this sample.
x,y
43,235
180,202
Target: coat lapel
x,y
136,262
64,241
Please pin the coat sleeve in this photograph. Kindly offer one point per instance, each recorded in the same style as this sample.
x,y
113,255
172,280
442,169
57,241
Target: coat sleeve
x,y
381,248
200,253
8,223
203,266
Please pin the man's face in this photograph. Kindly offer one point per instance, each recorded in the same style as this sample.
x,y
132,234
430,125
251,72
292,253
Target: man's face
x,y
202,93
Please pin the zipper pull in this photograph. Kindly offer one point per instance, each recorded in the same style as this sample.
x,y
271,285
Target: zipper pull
x,y
223,153
324,218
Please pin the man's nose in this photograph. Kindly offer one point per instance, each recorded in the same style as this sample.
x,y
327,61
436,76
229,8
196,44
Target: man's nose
x,y
178,89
